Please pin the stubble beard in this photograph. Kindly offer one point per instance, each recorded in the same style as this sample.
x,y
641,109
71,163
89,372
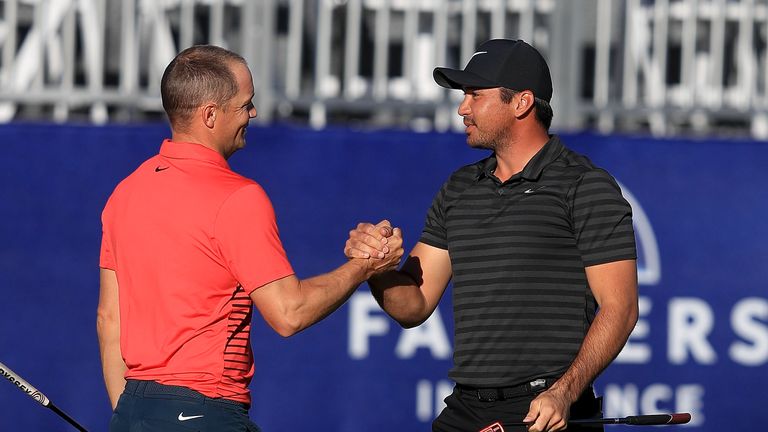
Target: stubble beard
x,y
481,142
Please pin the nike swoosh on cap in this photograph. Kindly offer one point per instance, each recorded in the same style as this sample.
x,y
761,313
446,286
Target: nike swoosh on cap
x,y
478,53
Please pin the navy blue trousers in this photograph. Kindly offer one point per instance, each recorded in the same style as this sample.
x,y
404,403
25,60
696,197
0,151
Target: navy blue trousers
x,y
146,406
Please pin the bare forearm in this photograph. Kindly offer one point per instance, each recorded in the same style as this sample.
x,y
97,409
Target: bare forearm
x,y
108,330
320,295
114,376
400,297
112,364
603,342
290,305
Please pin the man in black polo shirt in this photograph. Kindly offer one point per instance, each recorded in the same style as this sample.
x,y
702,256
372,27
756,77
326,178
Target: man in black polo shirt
x,y
535,238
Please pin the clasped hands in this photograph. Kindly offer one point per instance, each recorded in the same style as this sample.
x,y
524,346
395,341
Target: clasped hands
x,y
380,244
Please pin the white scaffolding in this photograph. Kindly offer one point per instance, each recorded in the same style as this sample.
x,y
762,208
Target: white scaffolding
x,y
666,66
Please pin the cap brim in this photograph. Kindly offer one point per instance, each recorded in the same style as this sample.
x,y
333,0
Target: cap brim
x,y
459,79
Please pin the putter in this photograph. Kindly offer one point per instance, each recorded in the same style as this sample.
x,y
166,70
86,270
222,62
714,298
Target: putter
x,y
645,420
37,395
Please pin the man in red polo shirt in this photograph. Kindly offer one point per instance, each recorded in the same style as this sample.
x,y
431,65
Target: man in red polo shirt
x,y
188,247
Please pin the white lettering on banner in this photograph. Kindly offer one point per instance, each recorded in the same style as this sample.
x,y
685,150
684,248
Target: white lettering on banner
x,y
629,400
636,352
423,400
363,324
431,334
426,394
653,395
366,319
744,320
690,322
688,398
620,402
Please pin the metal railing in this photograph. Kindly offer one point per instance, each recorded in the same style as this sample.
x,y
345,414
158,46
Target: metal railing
x,y
664,66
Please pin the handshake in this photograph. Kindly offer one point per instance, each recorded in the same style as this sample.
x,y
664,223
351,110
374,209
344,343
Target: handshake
x,y
380,244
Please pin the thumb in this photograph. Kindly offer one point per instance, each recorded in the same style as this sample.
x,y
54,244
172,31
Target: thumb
x,y
385,228
533,413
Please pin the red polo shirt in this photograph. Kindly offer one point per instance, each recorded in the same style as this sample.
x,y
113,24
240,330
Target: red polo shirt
x,y
189,240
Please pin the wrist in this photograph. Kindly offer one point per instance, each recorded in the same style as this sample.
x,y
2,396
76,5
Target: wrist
x,y
565,390
362,268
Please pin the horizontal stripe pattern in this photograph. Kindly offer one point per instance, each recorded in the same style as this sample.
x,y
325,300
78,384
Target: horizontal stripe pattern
x,y
238,357
518,250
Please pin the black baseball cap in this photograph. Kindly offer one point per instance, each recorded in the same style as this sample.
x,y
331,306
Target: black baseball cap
x,y
501,63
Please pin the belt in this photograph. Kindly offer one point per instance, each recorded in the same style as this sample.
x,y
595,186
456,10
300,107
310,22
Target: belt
x,y
495,394
151,388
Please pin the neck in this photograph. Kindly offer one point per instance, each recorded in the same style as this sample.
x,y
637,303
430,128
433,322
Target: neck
x,y
513,157
188,137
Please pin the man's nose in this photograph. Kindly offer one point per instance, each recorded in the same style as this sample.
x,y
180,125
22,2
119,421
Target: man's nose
x,y
464,106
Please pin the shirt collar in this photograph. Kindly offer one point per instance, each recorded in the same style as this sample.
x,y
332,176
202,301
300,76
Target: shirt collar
x,y
534,167
185,150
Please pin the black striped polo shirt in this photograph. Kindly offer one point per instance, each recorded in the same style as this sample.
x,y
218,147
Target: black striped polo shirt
x,y
518,249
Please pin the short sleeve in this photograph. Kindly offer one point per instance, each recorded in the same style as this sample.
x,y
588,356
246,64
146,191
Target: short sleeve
x,y
434,233
106,255
247,236
602,220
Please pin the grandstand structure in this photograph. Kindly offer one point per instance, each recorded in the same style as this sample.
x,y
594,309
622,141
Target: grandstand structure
x,y
664,67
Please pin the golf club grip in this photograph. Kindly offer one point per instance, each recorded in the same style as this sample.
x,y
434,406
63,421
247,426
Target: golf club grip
x,y
23,385
659,419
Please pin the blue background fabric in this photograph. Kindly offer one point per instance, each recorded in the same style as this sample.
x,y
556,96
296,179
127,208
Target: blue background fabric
x,y
701,344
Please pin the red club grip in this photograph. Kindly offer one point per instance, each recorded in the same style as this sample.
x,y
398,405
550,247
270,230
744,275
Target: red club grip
x,y
679,418
659,419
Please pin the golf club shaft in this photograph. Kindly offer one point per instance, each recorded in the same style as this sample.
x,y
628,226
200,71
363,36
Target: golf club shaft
x,y
645,420
652,419
37,395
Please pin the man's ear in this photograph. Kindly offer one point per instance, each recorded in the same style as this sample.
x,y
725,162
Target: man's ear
x,y
208,113
525,103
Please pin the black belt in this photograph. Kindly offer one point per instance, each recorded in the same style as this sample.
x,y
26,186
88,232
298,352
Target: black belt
x,y
495,394
150,388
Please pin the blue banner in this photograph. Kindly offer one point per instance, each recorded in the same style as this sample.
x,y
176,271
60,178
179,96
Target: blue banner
x,y
700,346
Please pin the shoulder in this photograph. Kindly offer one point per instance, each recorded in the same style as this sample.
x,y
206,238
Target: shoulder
x,y
466,175
132,181
458,182
471,170
246,197
581,171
